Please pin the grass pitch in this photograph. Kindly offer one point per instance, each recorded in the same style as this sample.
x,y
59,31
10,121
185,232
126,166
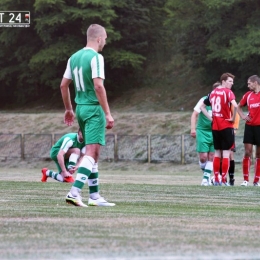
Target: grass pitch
x,y
161,213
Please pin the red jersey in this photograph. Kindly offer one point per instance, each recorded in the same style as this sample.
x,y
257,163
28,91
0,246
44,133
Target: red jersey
x,y
252,100
220,100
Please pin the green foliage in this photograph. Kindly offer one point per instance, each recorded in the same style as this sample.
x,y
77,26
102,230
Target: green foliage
x,y
58,29
157,41
124,58
217,35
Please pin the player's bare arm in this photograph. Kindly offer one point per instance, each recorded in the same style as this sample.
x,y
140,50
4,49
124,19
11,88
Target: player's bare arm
x,y
60,158
194,117
232,119
241,113
102,98
69,114
205,112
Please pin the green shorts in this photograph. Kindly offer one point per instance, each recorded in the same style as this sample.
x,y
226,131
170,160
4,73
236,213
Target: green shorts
x,y
92,122
204,140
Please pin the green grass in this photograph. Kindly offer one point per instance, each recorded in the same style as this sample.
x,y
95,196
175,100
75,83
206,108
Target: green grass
x,y
160,214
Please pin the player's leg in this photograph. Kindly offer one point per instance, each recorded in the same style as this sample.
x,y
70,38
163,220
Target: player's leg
x,y
231,170
92,126
205,149
227,140
83,172
257,156
257,171
72,155
217,156
225,166
248,147
93,183
216,166
203,158
52,174
247,163
46,173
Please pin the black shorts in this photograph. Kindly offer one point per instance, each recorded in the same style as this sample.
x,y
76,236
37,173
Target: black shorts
x,y
252,134
223,139
233,149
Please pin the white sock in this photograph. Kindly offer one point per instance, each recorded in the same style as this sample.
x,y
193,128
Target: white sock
x,y
208,169
202,165
73,159
87,162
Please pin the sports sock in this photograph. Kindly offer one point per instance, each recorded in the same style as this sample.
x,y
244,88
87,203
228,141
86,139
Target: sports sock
x,y
202,165
231,170
246,168
257,170
220,167
73,160
225,166
54,175
216,167
207,170
93,183
83,173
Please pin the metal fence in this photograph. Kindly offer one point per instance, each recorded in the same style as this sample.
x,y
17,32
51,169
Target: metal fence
x,y
144,148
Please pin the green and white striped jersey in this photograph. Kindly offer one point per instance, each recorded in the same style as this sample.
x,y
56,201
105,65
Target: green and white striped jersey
x,y
83,66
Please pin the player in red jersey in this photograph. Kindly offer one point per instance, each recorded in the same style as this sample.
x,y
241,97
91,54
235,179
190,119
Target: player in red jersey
x,y
220,100
251,99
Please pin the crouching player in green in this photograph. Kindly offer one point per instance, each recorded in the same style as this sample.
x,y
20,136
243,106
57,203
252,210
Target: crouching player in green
x,y
65,153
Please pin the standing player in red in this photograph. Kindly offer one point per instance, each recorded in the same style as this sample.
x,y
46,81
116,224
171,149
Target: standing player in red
x,y
252,128
220,100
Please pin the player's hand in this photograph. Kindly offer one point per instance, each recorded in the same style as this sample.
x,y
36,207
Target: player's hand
x,y
193,134
69,117
110,122
65,174
72,169
247,118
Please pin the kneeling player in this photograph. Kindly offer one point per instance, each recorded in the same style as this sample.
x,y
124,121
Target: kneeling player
x,y
65,153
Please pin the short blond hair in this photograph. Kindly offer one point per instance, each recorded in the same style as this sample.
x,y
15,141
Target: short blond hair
x,y
94,31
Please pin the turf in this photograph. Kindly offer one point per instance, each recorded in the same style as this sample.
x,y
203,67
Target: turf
x,y
159,214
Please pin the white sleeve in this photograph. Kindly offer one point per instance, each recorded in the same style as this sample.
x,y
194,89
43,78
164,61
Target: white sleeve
x,y
67,143
197,107
67,73
97,66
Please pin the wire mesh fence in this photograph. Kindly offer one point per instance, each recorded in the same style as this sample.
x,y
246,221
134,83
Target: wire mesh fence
x,y
144,148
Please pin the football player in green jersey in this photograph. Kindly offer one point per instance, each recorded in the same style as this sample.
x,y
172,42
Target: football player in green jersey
x,y
201,130
86,69
65,153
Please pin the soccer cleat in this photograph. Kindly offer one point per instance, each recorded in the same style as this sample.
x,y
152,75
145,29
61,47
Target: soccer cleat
x,y
256,184
204,182
217,183
76,201
244,183
232,182
100,202
44,176
69,179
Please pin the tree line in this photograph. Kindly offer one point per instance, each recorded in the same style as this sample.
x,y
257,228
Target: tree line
x,y
148,40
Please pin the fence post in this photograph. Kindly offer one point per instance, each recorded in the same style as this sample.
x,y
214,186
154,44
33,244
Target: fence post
x,y
115,148
149,148
182,150
22,146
